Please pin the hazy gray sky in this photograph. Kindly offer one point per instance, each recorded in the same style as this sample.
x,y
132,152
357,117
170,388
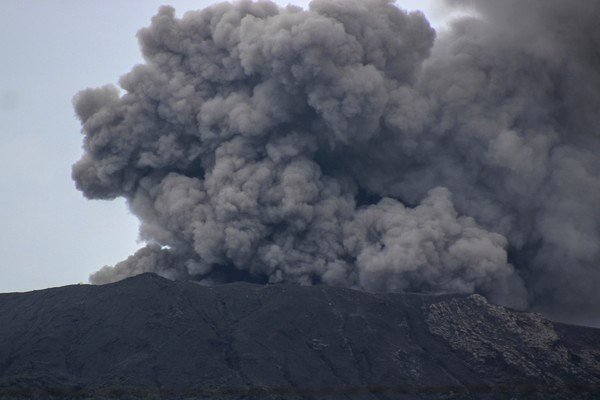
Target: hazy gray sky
x,y
51,235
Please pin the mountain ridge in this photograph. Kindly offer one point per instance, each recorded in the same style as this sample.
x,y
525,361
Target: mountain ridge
x,y
149,337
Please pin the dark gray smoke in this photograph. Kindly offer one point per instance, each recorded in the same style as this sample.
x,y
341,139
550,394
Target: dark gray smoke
x,y
347,145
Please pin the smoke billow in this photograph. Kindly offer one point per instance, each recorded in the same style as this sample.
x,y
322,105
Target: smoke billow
x,y
348,145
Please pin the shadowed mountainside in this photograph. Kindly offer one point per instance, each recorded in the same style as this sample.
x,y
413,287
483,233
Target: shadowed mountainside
x,y
148,337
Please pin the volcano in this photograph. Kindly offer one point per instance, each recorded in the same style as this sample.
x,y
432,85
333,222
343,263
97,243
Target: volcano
x,y
149,337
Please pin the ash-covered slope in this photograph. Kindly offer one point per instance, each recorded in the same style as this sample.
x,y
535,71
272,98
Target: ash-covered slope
x,y
148,337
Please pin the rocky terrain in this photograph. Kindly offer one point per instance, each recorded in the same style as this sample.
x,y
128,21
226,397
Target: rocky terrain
x,y
148,337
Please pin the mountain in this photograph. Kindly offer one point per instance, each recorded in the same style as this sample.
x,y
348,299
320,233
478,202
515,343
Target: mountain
x,y
148,337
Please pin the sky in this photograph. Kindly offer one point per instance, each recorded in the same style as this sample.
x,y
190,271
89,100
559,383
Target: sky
x,y
51,235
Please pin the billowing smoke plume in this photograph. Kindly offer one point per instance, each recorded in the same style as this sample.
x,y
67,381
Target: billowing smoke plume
x,y
347,145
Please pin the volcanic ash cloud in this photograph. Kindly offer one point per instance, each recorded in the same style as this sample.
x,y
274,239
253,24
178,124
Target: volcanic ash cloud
x,y
347,145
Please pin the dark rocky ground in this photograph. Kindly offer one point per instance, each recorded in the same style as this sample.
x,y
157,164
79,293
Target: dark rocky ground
x,y
147,337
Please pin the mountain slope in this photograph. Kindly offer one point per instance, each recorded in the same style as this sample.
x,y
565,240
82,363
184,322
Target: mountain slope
x,y
148,337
